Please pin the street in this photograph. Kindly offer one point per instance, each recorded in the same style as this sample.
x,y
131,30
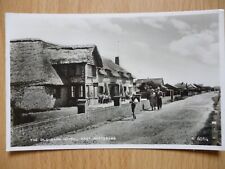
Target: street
x,y
175,123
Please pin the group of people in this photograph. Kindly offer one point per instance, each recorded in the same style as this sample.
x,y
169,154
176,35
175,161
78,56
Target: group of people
x,y
155,98
153,95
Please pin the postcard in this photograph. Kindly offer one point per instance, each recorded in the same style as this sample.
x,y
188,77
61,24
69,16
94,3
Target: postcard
x,y
137,80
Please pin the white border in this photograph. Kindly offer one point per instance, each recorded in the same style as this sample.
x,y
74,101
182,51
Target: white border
x,y
220,13
222,75
7,86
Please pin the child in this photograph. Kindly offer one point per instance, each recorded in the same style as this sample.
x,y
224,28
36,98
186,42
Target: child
x,y
133,102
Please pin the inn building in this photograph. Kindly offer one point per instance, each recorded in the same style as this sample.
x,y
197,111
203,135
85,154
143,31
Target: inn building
x,y
46,75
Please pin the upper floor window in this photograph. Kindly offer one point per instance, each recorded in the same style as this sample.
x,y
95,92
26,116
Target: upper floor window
x,y
91,71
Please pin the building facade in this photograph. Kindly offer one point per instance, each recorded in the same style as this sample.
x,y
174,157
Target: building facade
x,y
46,75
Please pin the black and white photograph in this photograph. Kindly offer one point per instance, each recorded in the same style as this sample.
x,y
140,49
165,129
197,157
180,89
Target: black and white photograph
x,y
138,80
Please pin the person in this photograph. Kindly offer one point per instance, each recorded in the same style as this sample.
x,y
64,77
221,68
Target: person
x,y
171,95
133,102
159,98
152,99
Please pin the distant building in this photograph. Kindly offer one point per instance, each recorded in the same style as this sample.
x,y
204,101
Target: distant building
x,y
143,85
45,75
156,81
183,88
171,89
216,88
118,81
192,89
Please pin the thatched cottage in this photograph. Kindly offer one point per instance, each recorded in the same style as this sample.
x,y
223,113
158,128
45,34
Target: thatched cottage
x,y
118,80
153,82
45,75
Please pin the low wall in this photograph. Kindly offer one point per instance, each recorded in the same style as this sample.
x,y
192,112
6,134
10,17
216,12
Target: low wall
x,y
29,134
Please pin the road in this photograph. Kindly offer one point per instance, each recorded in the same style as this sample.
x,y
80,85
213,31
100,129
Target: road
x,y
175,123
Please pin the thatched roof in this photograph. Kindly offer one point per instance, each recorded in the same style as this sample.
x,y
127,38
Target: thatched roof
x,y
169,86
74,54
181,85
29,65
32,61
116,70
191,86
199,85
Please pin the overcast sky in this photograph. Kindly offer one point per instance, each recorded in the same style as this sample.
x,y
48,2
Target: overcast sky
x,y
182,48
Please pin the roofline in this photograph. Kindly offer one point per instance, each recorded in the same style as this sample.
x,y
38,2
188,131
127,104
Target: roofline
x,y
26,40
57,46
72,47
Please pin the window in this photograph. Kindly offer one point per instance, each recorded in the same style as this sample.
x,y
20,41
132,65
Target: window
x,y
77,91
73,91
57,92
81,91
91,71
94,71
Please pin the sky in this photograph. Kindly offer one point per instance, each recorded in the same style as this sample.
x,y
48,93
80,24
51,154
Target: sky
x,y
178,48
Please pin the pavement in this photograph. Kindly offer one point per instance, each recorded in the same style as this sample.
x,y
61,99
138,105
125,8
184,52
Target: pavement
x,y
176,123
68,111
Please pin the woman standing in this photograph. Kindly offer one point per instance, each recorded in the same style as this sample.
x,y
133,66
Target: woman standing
x,y
152,99
159,98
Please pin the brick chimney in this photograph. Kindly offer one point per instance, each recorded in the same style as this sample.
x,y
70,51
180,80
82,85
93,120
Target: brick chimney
x,y
117,60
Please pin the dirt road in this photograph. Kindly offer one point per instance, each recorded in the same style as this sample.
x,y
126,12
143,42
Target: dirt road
x,y
175,123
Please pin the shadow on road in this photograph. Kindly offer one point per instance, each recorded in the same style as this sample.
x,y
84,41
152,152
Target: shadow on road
x,y
127,119
147,110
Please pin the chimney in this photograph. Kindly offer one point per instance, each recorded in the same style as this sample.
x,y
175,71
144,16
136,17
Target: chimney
x,y
117,60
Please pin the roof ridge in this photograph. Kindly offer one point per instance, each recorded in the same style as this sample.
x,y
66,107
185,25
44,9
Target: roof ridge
x,y
26,40
54,44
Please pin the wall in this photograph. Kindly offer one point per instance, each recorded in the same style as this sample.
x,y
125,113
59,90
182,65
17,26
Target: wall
x,y
90,79
63,100
23,135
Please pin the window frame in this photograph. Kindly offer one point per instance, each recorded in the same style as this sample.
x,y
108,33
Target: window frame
x,y
91,71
